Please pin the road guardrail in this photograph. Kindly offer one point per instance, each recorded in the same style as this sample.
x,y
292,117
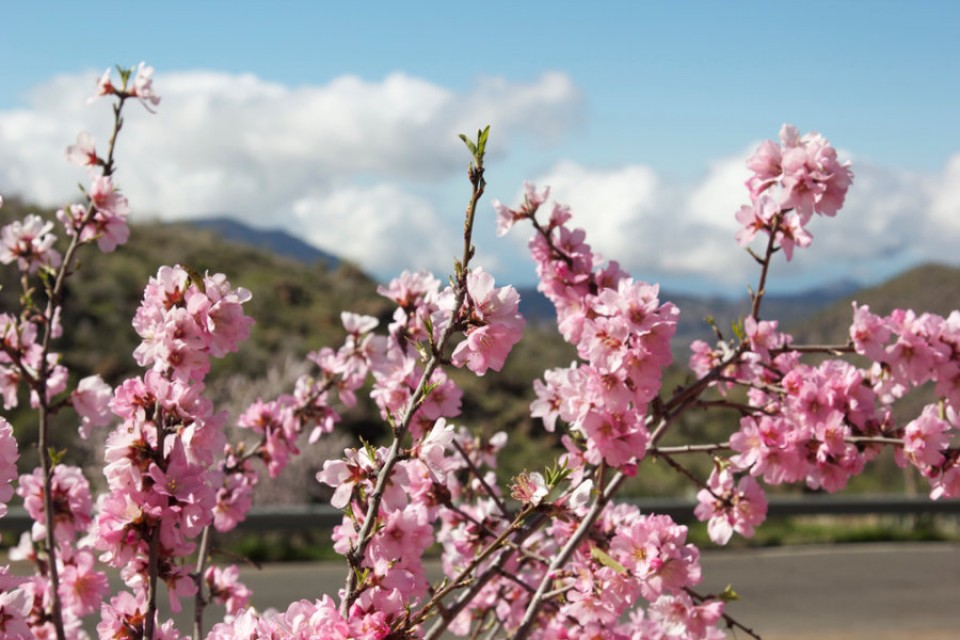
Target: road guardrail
x,y
323,516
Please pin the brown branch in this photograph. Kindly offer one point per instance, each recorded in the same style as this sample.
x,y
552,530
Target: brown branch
x,y
365,535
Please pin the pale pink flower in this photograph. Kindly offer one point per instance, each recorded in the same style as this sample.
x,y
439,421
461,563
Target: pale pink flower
x,y
925,438
83,152
82,587
143,87
15,606
494,324
432,450
9,454
529,488
104,86
30,243
91,400
730,508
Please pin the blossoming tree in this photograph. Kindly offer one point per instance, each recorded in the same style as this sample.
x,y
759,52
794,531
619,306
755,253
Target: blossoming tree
x,y
553,555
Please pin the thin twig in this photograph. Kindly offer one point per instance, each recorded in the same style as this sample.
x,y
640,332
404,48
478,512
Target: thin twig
x,y
483,482
533,607
365,535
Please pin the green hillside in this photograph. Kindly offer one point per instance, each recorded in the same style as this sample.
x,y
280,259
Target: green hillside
x,y
933,288
296,307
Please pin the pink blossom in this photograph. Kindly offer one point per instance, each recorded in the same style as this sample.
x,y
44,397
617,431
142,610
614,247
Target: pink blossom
x,y
110,221
70,493
91,400
143,87
83,152
30,243
679,617
432,450
226,588
925,438
756,217
9,454
104,86
493,324
82,587
529,488
532,200
730,509
15,606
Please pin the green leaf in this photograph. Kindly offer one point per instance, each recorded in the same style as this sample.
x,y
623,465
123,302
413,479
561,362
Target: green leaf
x,y
124,76
55,456
606,560
728,594
195,277
556,473
369,448
737,327
482,137
472,147
361,575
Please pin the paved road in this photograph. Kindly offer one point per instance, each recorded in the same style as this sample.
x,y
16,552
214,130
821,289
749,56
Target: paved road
x,y
876,592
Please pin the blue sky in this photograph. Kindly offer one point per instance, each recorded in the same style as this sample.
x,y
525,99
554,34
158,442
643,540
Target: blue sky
x,y
639,114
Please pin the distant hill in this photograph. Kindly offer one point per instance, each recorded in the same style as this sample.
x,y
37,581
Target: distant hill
x,y
272,240
931,287
817,315
790,309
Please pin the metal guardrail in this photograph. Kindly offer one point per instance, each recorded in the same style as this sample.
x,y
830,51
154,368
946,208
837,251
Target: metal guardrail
x,y
319,517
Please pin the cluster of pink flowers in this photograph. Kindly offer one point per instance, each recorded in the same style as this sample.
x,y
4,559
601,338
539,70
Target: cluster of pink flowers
x,y
16,602
493,324
791,181
158,461
567,562
727,506
626,559
105,220
22,358
82,586
30,244
303,620
621,332
910,350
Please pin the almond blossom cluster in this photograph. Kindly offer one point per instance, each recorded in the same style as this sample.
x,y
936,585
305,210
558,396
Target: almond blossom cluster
x,y
552,556
909,350
16,602
791,181
66,585
627,559
82,586
162,493
622,334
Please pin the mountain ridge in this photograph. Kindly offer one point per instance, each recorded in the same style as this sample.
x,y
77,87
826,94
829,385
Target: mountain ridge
x,y
818,314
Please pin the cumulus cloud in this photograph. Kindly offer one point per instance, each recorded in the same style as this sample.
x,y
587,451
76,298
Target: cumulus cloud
x,y
366,168
683,232
368,225
285,156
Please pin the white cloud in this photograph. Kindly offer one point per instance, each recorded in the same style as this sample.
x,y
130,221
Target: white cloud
x,y
382,228
364,169
268,153
654,227
683,232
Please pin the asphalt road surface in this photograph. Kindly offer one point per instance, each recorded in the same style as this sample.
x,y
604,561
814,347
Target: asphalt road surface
x,y
874,592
